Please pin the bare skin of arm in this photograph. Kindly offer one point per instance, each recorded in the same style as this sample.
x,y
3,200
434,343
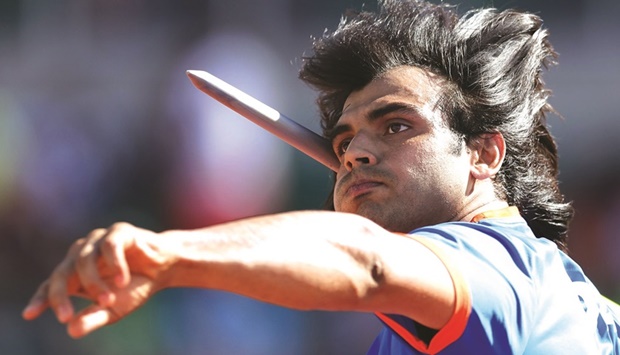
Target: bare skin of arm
x,y
307,260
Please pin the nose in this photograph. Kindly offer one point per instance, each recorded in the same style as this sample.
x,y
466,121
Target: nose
x,y
359,152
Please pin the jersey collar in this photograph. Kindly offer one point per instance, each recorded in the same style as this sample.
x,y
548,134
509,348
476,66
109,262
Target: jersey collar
x,y
511,211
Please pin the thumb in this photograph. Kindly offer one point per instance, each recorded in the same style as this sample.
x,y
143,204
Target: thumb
x,y
88,320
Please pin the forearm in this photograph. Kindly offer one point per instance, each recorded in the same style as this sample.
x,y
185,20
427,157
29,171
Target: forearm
x,y
303,260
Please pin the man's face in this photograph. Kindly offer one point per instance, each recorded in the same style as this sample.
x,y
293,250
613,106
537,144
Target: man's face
x,y
401,166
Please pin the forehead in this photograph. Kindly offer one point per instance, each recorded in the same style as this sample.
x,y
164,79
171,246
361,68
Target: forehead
x,y
405,84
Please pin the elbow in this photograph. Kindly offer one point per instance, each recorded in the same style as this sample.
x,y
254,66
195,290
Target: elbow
x,y
369,285
377,273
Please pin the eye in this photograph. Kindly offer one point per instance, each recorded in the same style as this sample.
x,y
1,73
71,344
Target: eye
x,y
396,127
340,147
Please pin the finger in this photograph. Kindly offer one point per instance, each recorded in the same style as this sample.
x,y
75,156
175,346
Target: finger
x,y
37,304
113,252
88,320
65,279
53,292
58,293
88,271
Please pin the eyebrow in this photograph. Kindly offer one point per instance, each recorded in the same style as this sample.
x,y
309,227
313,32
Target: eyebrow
x,y
376,114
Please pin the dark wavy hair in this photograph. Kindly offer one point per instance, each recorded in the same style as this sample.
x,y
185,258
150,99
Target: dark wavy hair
x,y
492,61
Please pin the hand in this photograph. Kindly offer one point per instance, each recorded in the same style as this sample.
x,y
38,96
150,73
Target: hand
x,y
117,269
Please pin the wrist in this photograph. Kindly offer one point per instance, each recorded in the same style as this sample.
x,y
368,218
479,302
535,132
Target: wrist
x,y
166,255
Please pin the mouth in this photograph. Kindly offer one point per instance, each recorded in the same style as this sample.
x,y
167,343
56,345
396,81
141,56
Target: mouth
x,y
362,187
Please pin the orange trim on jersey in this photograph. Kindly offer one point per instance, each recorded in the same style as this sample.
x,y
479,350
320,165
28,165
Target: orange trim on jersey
x,y
504,212
455,327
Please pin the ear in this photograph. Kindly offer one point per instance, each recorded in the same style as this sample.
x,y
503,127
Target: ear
x,y
487,155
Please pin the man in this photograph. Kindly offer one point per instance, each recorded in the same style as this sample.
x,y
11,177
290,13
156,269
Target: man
x,y
439,125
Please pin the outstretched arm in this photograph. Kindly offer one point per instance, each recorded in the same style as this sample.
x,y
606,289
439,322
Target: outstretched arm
x,y
302,260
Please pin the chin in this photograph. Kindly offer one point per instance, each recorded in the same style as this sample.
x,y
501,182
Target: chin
x,y
386,218
383,220
392,223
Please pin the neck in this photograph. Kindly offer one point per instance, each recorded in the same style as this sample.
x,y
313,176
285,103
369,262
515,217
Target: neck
x,y
480,199
482,208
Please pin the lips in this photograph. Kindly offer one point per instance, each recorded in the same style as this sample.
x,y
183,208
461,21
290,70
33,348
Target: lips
x,y
361,187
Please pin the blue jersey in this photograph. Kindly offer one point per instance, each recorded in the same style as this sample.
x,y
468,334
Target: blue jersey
x,y
515,294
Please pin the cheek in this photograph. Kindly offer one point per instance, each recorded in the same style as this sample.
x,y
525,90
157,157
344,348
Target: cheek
x,y
336,203
336,196
455,173
422,162
435,167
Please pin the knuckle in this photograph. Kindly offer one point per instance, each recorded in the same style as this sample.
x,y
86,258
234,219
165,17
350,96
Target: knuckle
x,y
94,234
108,243
108,247
77,245
119,226
84,253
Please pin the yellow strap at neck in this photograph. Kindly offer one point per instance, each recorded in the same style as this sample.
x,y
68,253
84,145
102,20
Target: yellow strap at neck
x,y
510,211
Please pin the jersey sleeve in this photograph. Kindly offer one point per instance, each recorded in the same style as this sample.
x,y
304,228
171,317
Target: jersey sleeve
x,y
515,294
455,326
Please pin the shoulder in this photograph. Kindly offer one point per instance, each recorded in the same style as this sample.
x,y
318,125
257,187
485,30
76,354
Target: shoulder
x,y
498,240
542,297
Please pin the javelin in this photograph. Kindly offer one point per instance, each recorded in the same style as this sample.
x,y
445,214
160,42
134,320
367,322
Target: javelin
x,y
291,132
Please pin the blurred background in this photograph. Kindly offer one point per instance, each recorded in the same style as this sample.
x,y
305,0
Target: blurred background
x,y
98,123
